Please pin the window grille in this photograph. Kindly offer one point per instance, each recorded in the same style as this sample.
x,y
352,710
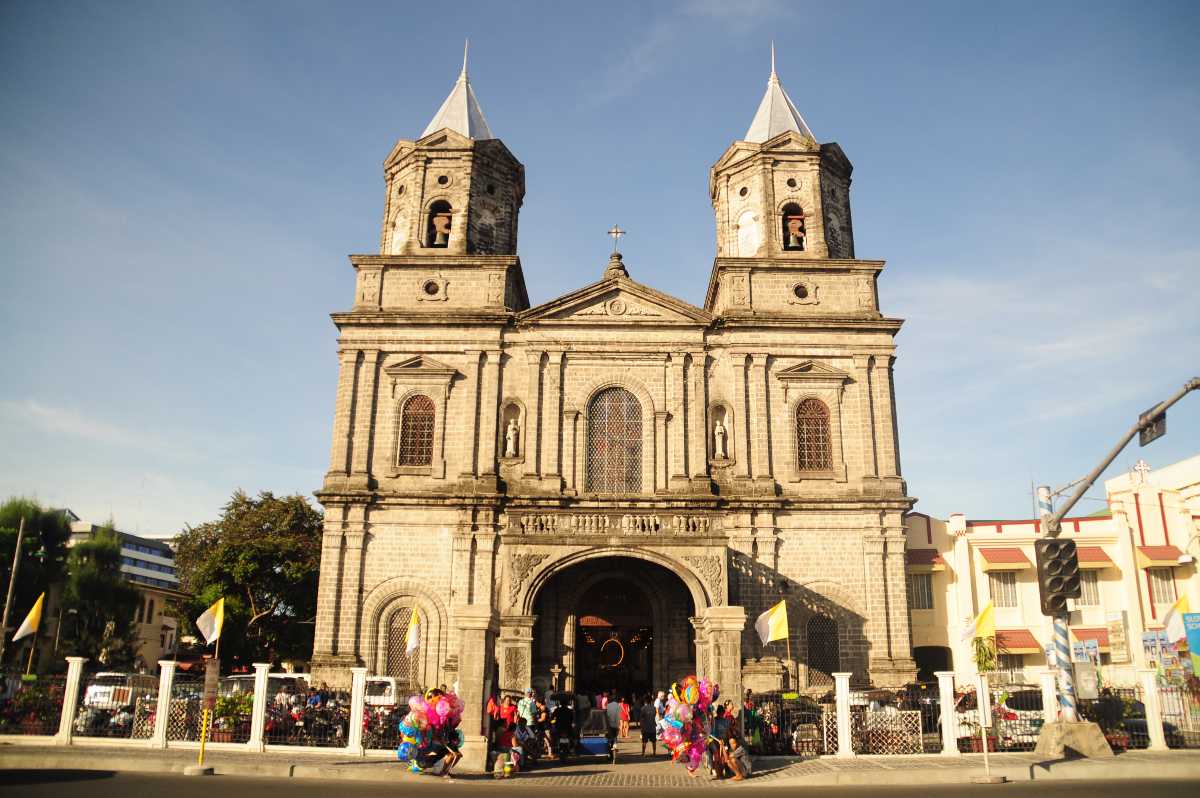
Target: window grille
x,y
401,665
920,591
1003,585
1011,664
416,432
614,458
1162,586
813,450
824,653
1089,584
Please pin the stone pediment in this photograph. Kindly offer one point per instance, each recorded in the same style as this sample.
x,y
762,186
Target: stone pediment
x,y
810,371
617,301
419,367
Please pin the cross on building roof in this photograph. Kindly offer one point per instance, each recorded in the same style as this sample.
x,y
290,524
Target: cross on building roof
x,y
616,233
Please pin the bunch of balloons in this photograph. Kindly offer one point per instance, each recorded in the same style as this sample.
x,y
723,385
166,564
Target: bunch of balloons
x,y
684,728
433,712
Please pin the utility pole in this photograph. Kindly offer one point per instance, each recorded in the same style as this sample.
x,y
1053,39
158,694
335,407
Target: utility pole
x,y
1151,424
12,584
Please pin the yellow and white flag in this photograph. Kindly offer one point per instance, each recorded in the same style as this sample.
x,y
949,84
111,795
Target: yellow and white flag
x,y
984,624
211,621
412,640
1173,620
773,624
30,625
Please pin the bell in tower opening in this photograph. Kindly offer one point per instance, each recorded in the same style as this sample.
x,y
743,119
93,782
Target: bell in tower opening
x,y
439,224
793,227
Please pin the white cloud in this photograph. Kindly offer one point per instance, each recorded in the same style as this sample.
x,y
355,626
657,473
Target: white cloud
x,y
68,422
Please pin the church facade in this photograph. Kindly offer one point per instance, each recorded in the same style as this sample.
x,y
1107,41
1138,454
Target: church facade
x,y
605,490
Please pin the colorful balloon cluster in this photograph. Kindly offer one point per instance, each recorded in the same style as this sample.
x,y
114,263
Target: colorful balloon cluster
x,y
684,728
434,712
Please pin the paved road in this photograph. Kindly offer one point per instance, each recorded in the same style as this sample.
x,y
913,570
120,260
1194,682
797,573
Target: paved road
x,y
103,784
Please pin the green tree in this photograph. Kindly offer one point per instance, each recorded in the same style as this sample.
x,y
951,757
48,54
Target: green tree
x,y
43,551
263,555
100,601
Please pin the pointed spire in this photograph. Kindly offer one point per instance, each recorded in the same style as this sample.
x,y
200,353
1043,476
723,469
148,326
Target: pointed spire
x,y
776,113
461,112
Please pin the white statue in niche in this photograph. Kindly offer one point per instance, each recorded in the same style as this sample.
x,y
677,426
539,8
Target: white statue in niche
x,y
510,438
719,434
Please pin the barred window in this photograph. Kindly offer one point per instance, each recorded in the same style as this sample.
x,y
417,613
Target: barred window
x,y
824,653
1162,586
813,450
920,591
416,432
400,664
614,455
1089,584
1003,587
1012,664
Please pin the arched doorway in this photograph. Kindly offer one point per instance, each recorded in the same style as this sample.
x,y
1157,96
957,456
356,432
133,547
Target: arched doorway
x,y
613,623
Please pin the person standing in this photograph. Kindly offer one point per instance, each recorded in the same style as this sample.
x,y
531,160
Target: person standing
x,y
648,720
612,717
623,703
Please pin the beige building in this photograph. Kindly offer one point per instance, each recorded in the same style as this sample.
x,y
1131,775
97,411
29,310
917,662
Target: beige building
x,y
604,490
1137,558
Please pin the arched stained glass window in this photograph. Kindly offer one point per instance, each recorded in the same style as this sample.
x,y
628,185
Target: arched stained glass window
x,y
824,653
614,453
416,432
813,449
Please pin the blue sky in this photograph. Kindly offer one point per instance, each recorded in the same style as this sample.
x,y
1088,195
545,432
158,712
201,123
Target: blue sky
x,y
182,184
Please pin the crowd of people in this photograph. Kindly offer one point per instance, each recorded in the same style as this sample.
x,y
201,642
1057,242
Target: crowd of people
x,y
687,719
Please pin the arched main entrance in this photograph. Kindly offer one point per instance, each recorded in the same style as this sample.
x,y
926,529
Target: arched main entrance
x,y
613,623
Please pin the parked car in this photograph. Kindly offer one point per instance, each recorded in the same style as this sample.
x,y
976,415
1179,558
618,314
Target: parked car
x,y
112,690
381,691
1017,718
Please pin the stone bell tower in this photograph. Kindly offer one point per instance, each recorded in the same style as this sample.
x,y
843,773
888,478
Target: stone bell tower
x,y
778,193
456,190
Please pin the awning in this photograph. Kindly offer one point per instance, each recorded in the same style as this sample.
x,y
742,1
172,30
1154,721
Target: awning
x,y
1004,559
1017,641
1093,557
920,561
1100,635
1158,556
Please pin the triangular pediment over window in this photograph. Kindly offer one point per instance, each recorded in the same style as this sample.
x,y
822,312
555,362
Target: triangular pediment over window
x,y
810,371
420,366
616,301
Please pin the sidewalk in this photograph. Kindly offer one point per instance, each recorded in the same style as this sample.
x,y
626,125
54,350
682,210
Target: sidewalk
x,y
630,771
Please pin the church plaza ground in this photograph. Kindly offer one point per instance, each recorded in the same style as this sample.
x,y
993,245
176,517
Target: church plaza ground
x,y
81,770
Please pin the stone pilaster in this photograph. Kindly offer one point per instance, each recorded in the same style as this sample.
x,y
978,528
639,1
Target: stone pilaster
x,y
677,443
470,440
515,653
329,592
534,416
885,430
349,632
741,417
488,408
697,424
660,451
551,469
476,627
364,415
571,455
760,422
866,420
722,631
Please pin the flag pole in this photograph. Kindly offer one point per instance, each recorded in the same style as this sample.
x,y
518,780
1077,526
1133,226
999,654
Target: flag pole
x,y
32,646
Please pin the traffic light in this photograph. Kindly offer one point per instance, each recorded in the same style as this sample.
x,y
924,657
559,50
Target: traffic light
x,y
1058,573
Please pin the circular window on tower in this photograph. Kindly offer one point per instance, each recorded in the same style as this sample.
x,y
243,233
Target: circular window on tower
x,y
491,189
443,180
431,288
743,192
399,189
803,293
791,182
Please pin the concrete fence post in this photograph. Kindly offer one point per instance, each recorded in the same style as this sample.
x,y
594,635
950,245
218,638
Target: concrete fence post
x,y
1049,682
66,717
162,709
948,715
1150,699
258,716
358,696
841,683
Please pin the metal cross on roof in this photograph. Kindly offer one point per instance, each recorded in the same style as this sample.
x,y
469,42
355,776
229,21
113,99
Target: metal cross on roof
x,y
1140,470
616,233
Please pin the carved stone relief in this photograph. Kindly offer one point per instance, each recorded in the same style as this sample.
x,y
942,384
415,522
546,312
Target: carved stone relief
x,y
519,568
709,567
516,665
